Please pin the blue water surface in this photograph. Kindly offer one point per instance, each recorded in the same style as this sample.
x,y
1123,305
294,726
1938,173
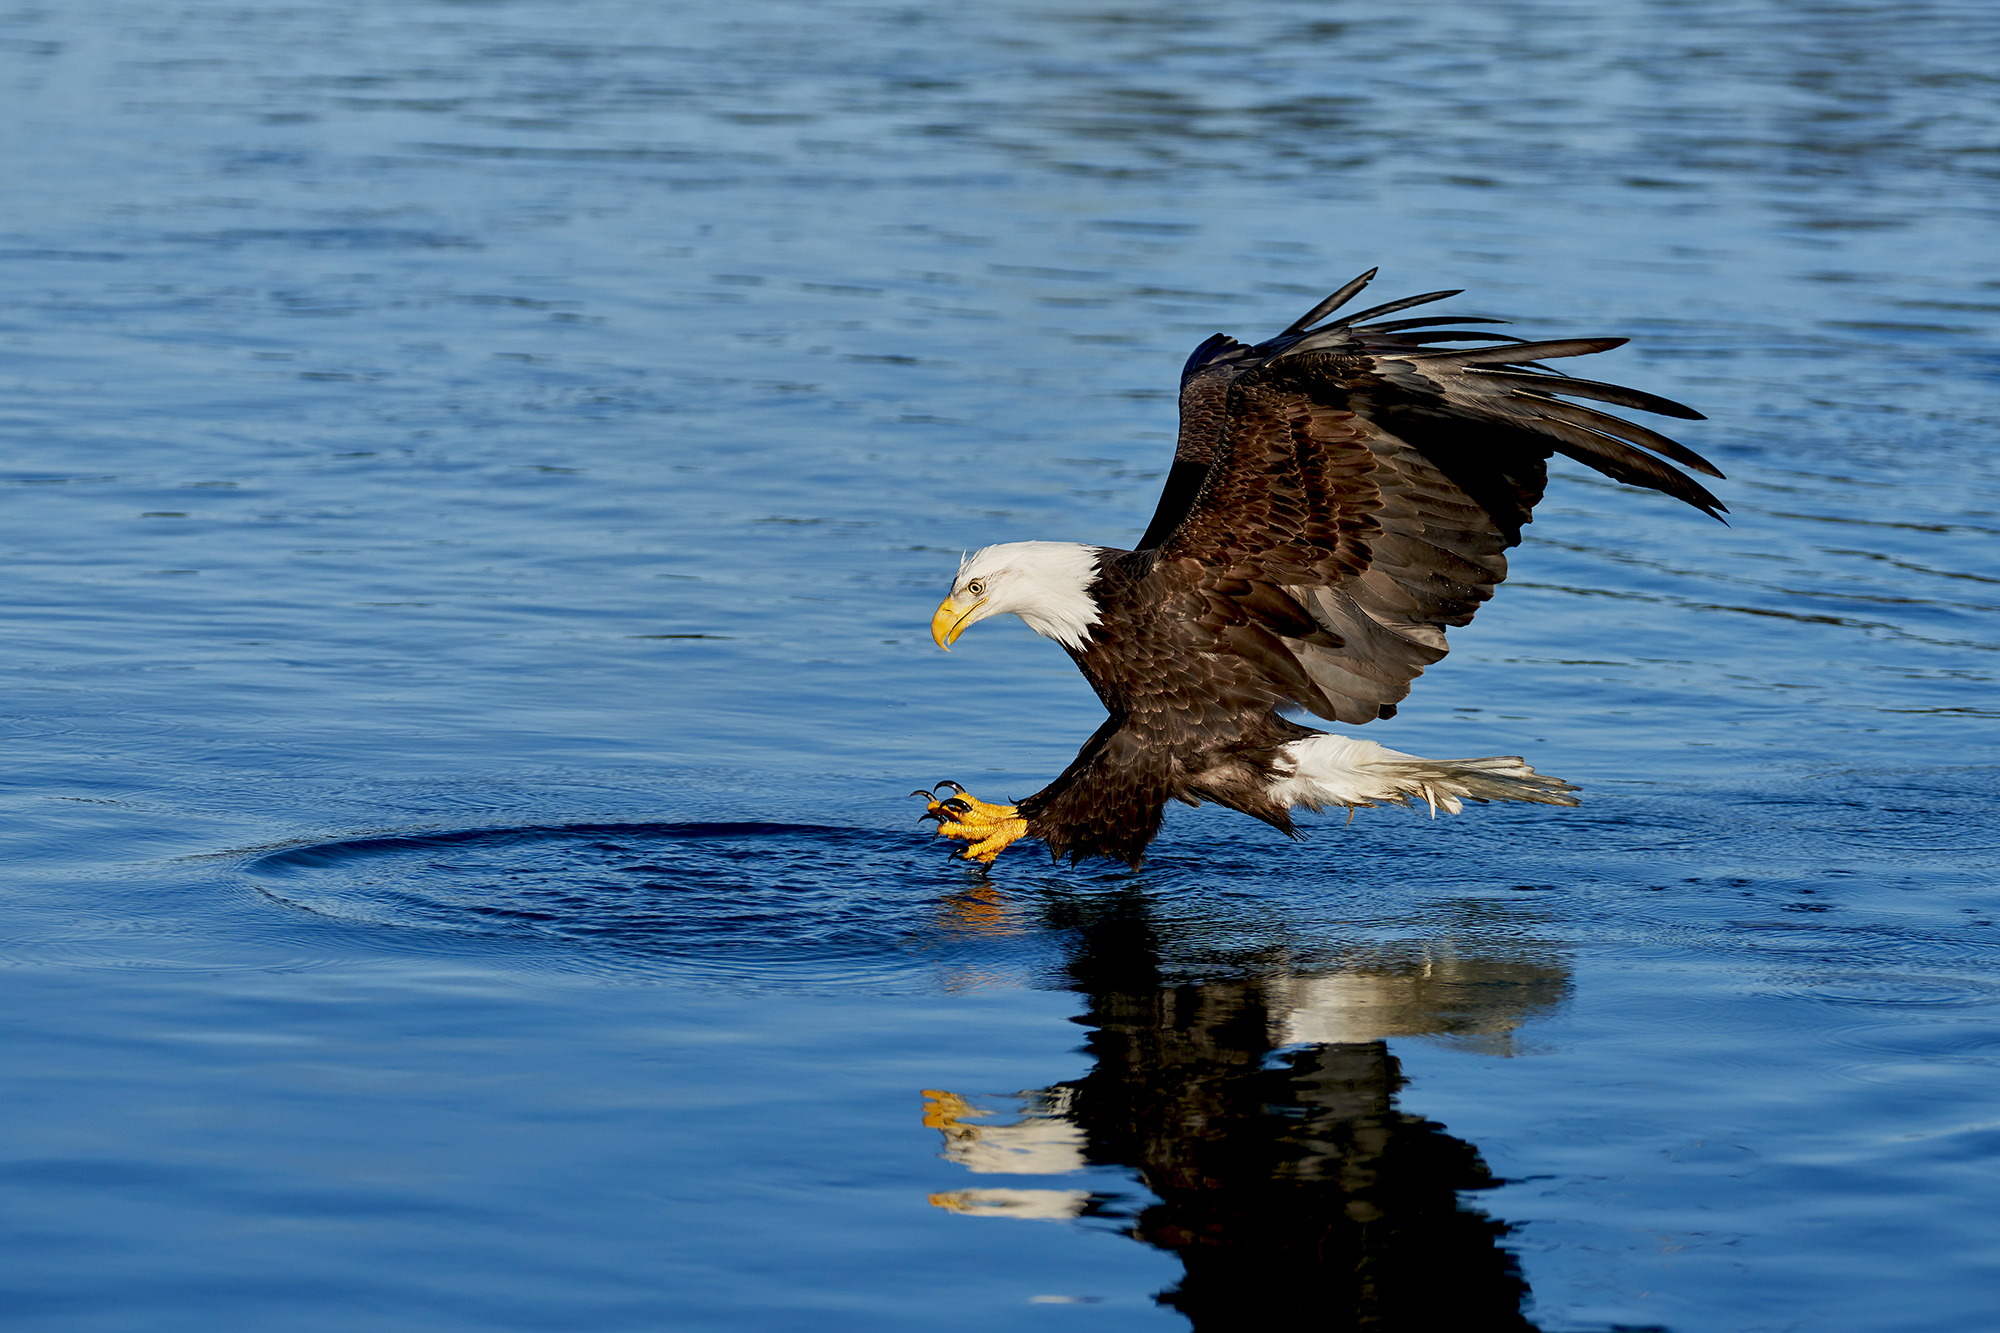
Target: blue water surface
x,y
476,477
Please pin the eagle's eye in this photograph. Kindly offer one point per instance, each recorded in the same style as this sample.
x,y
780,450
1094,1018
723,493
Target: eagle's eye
x,y
977,587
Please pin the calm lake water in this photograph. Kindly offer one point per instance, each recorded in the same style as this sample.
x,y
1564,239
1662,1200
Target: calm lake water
x,y
477,476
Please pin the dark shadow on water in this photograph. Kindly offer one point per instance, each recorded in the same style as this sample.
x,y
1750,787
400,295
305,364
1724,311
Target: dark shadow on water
x,y
1257,1100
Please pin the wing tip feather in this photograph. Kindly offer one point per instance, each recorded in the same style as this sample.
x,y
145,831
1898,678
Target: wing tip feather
x,y
1346,292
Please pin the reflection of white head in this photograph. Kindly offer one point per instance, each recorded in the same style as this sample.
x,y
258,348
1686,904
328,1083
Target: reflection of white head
x,y
1044,583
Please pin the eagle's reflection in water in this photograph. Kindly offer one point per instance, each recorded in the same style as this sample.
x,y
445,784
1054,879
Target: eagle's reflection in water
x,y
1256,1098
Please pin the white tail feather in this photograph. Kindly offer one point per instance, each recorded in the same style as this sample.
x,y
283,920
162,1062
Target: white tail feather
x,y
1340,770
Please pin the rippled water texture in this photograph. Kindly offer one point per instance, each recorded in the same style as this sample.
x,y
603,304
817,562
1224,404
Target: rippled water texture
x,y
476,478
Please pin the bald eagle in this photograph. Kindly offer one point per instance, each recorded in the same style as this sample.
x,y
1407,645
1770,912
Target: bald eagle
x,y
1340,495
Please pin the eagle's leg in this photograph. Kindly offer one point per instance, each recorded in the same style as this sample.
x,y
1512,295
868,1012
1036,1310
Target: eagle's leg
x,y
989,829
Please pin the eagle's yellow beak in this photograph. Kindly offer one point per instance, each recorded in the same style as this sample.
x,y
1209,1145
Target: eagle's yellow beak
x,y
950,622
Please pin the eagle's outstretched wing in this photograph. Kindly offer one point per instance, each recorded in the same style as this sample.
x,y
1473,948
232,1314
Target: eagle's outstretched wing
x,y
1345,492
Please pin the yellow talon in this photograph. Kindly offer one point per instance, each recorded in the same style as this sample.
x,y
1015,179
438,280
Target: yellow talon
x,y
998,837
989,829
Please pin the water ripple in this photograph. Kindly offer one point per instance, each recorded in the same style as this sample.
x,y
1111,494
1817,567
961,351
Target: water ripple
x,y
784,905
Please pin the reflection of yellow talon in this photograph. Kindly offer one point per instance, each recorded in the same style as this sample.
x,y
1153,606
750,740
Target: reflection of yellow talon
x,y
943,1110
990,829
980,910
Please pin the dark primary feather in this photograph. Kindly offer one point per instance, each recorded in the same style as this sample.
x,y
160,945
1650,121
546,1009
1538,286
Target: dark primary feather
x,y
1393,306
1521,352
1454,336
1604,393
1340,297
1394,325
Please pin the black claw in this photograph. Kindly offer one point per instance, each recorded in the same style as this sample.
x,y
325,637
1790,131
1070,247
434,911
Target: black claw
x,y
958,806
930,814
953,785
927,795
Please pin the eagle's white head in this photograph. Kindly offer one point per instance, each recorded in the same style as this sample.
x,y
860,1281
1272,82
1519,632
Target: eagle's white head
x,y
1044,583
